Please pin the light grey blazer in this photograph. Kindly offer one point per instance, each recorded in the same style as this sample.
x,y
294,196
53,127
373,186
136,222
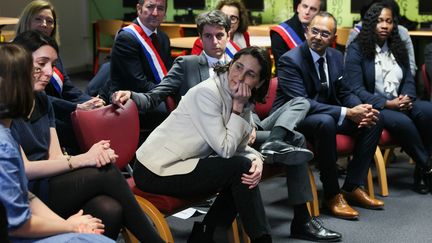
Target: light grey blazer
x,y
201,126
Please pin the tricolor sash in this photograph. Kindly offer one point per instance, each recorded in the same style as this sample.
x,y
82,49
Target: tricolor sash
x,y
156,64
288,35
231,49
57,80
357,28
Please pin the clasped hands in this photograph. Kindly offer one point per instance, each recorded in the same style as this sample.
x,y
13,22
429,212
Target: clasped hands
x,y
364,115
402,103
100,154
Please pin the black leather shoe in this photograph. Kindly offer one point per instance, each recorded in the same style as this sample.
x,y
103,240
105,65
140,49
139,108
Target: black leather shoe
x,y
420,181
313,230
283,153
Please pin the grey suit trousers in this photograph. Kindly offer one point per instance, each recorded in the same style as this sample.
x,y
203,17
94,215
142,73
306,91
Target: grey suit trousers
x,y
288,116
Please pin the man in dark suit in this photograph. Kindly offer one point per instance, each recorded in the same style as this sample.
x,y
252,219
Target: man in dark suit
x,y
314,71
131,65
141,57
188,71
291,33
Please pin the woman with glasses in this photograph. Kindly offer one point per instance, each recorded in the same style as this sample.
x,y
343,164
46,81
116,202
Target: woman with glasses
x,y
238,35
67,183
65,97
377,66
28,218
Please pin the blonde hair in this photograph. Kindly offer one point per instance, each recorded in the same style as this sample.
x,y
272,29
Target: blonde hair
x,y
28,13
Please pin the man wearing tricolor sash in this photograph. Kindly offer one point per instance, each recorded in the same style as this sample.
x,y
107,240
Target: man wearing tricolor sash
x,y
291,33
189,70
139,61
141,57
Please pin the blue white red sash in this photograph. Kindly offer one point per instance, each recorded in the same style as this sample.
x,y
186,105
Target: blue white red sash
x,y
288,35
156,64
231,49
357,28
57,80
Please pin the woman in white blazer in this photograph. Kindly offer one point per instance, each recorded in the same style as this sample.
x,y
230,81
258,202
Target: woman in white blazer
x,y
201,148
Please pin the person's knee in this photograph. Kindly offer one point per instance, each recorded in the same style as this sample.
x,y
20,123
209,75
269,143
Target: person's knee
x,y
301,102
109,211
299,140
104,206
326,124
241,165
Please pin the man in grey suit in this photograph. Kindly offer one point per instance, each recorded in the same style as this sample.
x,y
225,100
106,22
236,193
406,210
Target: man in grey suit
x,y
188,71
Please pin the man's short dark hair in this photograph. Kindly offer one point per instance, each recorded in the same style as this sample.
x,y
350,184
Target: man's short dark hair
x,y
214,17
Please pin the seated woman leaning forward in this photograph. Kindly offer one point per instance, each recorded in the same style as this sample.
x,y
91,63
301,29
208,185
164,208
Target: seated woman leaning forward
x,y
201,148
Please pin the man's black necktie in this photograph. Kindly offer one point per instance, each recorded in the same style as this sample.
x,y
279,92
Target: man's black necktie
x,y
324,91
155,41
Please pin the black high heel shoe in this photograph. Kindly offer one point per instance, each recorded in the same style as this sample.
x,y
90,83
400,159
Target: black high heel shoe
x,y
422,181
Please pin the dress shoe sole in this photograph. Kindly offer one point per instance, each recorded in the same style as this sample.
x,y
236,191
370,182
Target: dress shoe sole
x,y
305,237
354,203
293,157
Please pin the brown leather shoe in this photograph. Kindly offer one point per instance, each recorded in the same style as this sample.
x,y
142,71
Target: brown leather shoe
x,y
360,197
340,208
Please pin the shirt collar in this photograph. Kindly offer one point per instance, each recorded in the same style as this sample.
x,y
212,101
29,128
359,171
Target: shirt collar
x,y
212,60
147,31
382,49
315,55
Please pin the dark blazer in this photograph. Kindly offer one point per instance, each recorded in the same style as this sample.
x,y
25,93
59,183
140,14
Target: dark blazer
x,y
130,68
360,74
67,101
428,59
186,72
278,45
298,78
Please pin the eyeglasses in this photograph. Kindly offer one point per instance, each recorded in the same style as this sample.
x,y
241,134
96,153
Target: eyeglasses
x,y
324,34
234,19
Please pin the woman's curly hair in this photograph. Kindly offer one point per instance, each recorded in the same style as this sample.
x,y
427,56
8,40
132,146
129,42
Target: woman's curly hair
x,y
368,37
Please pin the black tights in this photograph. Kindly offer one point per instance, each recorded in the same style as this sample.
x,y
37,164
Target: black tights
x,y
213,175
104,193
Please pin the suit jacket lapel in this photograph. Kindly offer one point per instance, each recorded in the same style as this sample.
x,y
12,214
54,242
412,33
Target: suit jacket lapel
x,y
203,67
311,66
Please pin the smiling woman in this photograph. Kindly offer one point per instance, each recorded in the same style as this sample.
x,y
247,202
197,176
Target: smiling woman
x,y
40,15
